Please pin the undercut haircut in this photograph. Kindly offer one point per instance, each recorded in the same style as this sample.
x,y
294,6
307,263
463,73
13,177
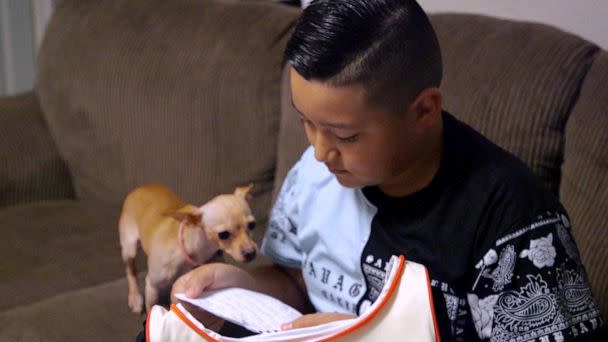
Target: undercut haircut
x,y
389,46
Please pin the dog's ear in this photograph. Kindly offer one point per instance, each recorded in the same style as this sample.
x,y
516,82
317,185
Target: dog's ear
x,y
244,192
191,215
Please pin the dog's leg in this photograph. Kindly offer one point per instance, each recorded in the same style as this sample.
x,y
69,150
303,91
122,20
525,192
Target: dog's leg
x,y
129,239
151,293
136,302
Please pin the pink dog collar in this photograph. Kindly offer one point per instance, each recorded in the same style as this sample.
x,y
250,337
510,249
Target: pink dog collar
x,y
183,247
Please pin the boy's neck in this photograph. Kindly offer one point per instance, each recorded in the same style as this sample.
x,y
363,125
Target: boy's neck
x,y
421,173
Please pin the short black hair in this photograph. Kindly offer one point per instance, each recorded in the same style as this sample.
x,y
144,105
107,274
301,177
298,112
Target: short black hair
x,y
389,46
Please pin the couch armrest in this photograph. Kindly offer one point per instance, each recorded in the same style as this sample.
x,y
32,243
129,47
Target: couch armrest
x,y
584,190
32,168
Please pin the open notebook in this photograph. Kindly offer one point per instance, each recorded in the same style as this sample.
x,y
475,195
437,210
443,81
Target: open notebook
x,y
403,309
252,310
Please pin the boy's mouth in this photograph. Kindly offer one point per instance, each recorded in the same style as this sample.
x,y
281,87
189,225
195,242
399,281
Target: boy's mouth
x,y
336,171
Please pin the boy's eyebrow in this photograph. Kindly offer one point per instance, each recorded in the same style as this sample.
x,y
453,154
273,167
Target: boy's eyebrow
x,y
337,125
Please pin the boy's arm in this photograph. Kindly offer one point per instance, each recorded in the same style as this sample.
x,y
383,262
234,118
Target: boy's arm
x,y
285,284
282,283
533,282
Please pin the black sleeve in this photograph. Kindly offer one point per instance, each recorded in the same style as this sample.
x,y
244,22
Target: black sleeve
x,y
141,337
532,286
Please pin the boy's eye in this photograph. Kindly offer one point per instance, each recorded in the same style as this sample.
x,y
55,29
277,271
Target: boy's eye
x,y
223,235
305,122
251,225
349,139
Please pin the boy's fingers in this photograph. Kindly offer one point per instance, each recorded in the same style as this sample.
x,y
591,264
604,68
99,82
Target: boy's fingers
x,y
200,279
194,290
210,277
192,283
316,319
179,286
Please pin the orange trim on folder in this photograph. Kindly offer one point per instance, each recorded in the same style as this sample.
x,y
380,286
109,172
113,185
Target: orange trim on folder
x,y
391,291
428,284
191,325
148,325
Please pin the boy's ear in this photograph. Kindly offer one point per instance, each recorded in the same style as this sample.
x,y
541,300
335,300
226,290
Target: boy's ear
x,y
244,192
427,106
191,215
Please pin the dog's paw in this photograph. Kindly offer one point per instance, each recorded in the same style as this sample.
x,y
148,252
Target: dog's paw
x,y
136,302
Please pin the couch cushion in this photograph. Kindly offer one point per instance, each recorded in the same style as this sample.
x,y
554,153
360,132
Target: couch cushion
x,y
53,247
98,313
584,188
32,168
184,93
515,82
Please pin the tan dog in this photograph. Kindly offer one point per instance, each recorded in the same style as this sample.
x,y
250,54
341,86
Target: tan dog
x,y
178,237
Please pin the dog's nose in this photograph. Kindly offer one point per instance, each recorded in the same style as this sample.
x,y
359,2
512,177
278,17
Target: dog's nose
x,y
250,256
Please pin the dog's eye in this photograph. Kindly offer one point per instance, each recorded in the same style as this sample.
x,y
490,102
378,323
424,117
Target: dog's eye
x,y
223,235
251,225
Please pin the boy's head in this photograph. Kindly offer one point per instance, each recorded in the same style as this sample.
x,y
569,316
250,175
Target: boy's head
x,y
388,46
364,78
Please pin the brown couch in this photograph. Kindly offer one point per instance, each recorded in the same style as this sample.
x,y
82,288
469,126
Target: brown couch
x,y
190,94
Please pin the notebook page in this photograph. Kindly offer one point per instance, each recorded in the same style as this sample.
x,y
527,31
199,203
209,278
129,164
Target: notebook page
x,y
252,310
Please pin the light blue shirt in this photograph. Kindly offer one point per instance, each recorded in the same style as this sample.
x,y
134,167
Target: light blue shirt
x,y
321,227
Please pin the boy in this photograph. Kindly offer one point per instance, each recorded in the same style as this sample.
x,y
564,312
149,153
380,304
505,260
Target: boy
x,y
388,172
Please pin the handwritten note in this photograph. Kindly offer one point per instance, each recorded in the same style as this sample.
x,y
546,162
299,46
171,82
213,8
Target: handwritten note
x,y
252,310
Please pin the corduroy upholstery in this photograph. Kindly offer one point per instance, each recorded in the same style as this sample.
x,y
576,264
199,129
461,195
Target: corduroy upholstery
x,y
515,83
584,186
47,236
180,76
32,169
189,93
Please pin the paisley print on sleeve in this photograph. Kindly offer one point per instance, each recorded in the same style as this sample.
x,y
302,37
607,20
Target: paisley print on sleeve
x,y
536,290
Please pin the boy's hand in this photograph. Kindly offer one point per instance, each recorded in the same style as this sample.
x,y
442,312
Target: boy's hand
x,y
209,277
316,319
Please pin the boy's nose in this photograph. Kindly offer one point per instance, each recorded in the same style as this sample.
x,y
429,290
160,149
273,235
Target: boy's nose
x,y
323,148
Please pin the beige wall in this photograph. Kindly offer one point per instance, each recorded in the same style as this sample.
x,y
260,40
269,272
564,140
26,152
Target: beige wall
x,y
587,18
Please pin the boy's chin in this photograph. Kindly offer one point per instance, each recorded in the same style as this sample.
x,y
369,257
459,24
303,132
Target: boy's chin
x,y
348,181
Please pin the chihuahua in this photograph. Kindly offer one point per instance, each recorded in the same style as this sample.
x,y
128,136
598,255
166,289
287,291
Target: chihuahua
x,y
177,237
